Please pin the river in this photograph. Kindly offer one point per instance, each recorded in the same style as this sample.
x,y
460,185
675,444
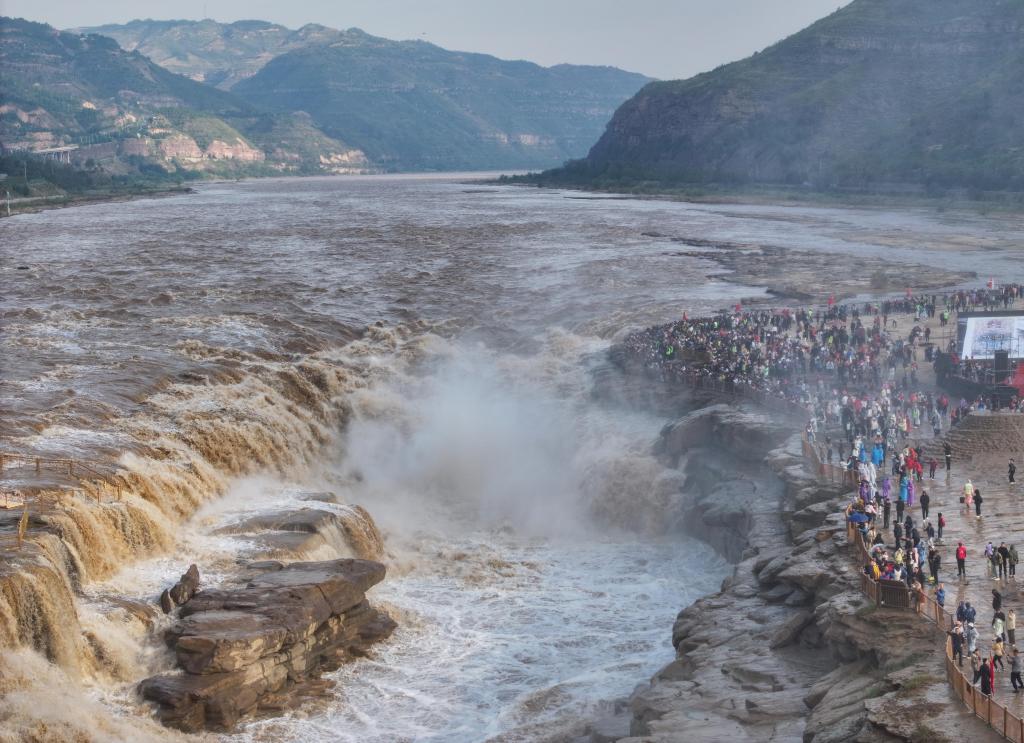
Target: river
x,y
451,333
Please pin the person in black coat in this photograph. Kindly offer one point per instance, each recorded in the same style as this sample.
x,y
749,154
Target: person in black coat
x,y
986,678
925,500
997,600
977,501
956,636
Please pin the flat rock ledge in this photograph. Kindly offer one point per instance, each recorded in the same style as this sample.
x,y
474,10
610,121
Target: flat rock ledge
x,y
261,647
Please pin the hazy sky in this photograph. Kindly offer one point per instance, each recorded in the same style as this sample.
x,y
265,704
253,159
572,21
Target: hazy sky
x,y
662,38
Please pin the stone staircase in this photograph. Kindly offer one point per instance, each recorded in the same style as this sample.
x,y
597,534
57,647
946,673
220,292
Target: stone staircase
x,y
983,439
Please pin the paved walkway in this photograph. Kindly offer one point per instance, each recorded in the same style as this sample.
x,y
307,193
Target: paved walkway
x,y
1002,521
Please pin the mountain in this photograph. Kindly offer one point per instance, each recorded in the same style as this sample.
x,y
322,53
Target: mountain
x,y
99,103
411,105
220,54
891,95
408,105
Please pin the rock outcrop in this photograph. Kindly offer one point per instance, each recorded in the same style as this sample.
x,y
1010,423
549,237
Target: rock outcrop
x,y
789,649
259,646
311,533
182,591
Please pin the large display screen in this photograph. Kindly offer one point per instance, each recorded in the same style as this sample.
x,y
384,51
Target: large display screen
x,y
986,335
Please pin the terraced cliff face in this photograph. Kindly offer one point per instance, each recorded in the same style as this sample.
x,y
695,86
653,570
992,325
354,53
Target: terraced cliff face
x,y
219,54
882,93
410,105
402,105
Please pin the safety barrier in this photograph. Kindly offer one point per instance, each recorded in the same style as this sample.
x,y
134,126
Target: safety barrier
x,y
85,473
896,595
998,717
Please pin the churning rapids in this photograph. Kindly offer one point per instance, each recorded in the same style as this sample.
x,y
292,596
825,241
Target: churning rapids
x,y
425,349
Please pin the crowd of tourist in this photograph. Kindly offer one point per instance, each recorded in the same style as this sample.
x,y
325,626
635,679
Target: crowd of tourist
x,y
813,356
858,382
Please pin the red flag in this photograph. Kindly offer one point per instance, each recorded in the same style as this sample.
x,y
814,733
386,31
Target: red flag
x,y
831,300
739,306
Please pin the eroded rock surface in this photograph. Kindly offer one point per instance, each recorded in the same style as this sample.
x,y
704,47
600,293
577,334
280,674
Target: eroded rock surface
x,y
254,647
789,649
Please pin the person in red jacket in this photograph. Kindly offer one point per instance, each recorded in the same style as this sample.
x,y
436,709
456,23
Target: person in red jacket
x,y
961,556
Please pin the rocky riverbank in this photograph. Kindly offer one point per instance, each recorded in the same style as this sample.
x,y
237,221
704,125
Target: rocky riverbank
x,y
788,649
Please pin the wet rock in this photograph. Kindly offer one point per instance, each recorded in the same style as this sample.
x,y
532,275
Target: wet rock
x,y
609,729
305,532
261,645
185,588
799,597
777,594
142,612
181,592
789,631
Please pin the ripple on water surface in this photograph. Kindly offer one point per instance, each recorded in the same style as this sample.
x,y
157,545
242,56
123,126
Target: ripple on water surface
x,y
548,633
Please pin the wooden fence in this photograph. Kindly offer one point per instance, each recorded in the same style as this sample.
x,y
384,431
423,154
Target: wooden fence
x,y
81,471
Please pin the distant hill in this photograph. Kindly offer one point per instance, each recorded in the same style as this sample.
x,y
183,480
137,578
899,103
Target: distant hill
x,y
219,54
890,95
408,105
102,104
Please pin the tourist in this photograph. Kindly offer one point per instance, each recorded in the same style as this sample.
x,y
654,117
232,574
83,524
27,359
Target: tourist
x,y
968,495
1011,627
1004,560
977,502
997,600
1015,669
975,659
970,613
942,524
925,500
886,510
997,653
934,561
999,624
1014,559
948,453
1011,471
971,639
985,673
940,595
990,552
961,557
956,636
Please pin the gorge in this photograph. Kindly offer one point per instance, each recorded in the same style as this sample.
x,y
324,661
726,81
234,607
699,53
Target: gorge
x,y
415,371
